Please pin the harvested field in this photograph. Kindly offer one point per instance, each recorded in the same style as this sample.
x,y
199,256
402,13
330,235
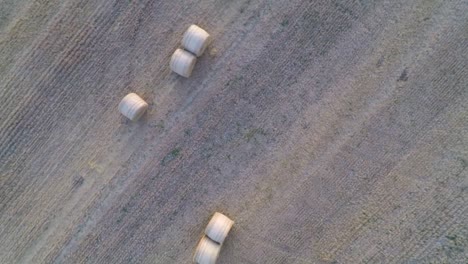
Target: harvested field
x,y
329,131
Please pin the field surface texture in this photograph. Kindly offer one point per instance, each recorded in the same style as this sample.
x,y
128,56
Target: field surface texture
x,y
329,131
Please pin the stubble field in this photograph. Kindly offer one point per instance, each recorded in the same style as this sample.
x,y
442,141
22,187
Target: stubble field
x,y
329,131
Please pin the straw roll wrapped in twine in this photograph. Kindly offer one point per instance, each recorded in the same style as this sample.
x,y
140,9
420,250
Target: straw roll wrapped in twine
x,y
207,251
182,62
218,227
196,40
132,106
